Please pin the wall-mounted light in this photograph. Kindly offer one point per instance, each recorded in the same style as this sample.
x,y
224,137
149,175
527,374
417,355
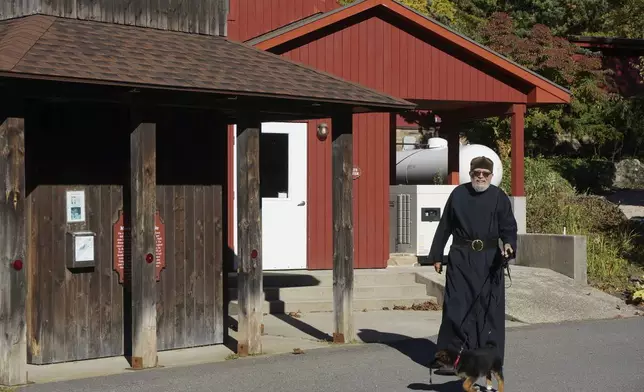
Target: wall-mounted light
x,y
323,131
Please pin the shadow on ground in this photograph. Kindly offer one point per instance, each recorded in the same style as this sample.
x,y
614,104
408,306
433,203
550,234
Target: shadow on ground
x,y
304,327
451,386
419,350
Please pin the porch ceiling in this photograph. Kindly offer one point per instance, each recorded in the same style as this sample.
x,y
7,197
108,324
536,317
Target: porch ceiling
x,y
68,50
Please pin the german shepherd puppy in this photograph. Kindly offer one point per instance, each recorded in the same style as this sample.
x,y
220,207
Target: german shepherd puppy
x,y
474,364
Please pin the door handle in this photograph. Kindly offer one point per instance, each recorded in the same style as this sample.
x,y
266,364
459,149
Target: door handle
x,y
301,203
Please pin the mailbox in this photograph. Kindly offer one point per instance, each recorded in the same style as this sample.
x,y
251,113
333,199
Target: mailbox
x,y
81,249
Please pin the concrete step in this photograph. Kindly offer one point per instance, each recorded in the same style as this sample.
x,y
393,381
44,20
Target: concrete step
x,y
325,278
311,306
326,292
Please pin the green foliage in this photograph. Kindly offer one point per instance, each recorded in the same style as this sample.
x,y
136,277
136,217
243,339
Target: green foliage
x,y
585,175
624,18
554,205
596,123
563,17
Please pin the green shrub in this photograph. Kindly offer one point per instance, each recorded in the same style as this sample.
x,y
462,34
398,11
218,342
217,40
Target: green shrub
x,y
586,175
554,206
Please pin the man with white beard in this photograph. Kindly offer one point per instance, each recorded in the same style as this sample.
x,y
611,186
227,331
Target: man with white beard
x,y
477,214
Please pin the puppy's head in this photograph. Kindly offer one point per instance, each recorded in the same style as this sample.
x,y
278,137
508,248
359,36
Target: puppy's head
x,y
445,357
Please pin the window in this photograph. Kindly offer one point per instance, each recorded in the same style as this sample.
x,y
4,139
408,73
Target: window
x,y
273,170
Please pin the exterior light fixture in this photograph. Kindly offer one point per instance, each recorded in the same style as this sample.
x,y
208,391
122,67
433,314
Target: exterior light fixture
x,y
323,131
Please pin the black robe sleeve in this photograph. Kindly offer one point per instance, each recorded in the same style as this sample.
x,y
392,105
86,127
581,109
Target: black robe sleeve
x,y
443,232
507,222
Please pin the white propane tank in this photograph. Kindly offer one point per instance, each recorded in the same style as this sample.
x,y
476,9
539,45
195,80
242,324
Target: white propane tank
x,y
422,166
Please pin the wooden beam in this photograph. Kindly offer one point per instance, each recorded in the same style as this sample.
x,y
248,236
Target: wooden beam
x,y
13,269
143,281
517,124
475,113
342,196
231,104
392,148
250,296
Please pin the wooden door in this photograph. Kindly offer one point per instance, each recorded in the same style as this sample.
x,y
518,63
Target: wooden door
x,y
190,287
72,315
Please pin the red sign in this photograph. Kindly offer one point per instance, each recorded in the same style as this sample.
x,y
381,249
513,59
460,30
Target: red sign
x,y
122,248
159,239
119,248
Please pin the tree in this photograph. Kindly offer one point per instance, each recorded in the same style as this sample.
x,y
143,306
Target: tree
x,y
585,123
624,19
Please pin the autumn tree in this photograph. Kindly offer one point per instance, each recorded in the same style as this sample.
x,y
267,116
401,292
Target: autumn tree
x,y
587,124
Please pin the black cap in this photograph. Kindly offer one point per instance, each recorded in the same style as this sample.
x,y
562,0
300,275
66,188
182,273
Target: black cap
x,y
482,163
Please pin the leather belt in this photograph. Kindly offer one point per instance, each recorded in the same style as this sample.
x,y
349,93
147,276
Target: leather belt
x,y
476,245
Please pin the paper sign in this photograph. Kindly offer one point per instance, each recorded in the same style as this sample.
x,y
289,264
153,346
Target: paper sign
x,y
75,206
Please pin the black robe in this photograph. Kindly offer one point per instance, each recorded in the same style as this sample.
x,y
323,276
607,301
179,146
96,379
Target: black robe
x,y
471,215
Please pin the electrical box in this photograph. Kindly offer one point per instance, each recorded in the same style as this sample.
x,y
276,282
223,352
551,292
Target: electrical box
x,y
81,249
414,214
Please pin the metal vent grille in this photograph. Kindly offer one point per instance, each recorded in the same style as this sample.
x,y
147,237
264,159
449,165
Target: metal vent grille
x,y
403,212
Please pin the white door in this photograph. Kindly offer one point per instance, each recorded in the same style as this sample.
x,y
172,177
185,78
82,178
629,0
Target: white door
x,y
283,188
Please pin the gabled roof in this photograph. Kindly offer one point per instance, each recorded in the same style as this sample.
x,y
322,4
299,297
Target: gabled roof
x,y
54,48
544,91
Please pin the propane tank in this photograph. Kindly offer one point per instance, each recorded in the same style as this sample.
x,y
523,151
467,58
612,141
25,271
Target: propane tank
x,y
425,166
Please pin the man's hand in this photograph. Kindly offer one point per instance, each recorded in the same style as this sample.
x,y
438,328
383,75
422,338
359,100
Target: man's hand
x,y
438,266
507,251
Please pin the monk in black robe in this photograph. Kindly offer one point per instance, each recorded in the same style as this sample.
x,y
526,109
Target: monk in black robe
x,y
477,214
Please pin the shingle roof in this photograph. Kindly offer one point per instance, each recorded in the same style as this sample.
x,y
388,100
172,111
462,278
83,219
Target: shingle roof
x,y
94,51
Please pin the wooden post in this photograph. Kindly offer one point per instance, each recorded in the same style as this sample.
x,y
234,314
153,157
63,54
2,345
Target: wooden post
x,y
13,267
143,281
517,123
453,156
342,196
392,148
249,272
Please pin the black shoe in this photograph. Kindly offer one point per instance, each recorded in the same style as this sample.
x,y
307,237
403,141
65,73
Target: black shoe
x,y
445,371
435,364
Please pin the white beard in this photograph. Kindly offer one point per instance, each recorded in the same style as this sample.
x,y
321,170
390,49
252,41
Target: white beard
x,y
480,187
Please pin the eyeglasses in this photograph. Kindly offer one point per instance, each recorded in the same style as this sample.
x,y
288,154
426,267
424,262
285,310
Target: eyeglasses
x,y
478,173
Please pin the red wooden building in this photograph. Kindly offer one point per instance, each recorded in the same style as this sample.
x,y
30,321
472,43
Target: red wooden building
x,y
388,47
621,56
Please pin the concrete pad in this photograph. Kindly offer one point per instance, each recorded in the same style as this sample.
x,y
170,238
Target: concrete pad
x,y
167,359
370,327
540,295
282,334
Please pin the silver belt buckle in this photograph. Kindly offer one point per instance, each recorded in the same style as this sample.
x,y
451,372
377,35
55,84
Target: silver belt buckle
x,y
477,245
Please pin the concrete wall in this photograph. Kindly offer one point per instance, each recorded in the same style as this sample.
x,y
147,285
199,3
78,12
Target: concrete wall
x,y
565,254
